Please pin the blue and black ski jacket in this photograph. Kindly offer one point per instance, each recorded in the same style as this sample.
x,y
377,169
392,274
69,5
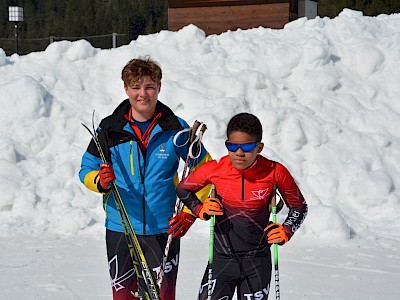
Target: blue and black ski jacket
x,y
146,179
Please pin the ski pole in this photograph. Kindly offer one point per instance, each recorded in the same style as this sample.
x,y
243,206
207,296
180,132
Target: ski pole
x,y
210,258
275,246
186,170
211,251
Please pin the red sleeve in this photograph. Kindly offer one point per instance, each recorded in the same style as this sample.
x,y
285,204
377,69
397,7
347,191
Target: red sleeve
x,y
198,179
187,188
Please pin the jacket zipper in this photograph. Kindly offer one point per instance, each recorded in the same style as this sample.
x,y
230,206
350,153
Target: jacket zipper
x,y
144,191
242,185
132,167
131,159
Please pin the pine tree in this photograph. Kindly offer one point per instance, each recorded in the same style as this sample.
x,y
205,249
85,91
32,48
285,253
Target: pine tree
x,y
332,8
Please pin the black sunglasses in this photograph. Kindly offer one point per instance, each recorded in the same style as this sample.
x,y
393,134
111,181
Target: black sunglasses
x,y
246,147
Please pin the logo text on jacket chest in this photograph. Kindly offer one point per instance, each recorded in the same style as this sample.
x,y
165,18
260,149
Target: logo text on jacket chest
x,y
161,152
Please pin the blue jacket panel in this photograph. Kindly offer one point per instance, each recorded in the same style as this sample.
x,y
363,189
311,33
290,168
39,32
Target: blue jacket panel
x,y
145,181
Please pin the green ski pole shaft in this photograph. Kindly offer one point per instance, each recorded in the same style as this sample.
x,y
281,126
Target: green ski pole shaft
x,y
210,285
276,264
275,247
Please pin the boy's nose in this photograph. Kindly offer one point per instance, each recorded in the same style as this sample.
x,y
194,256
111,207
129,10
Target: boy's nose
x,y
239,152
142,91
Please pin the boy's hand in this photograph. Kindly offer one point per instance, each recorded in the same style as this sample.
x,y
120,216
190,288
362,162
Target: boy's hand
x,y
210,207
180,224
277,234
106,174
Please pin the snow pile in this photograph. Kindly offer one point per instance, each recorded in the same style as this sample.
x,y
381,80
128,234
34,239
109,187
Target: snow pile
x,y
326,91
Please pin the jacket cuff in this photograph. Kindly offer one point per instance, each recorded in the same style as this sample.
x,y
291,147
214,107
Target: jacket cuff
x,y
100,188
197,210
288,233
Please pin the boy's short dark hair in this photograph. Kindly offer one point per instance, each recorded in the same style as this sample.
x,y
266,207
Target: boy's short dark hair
x,y
247,123
139,67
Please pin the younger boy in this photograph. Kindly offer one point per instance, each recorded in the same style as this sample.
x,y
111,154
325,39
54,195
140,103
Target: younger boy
x,y
245,181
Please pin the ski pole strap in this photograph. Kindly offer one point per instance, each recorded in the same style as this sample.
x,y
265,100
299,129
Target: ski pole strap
x,y
175,140
187,167
194,154
190,138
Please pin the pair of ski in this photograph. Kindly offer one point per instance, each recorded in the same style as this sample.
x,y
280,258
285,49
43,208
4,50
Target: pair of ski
x,y
148,286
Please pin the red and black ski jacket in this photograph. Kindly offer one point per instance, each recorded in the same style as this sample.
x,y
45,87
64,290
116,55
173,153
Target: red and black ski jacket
x,y
246,196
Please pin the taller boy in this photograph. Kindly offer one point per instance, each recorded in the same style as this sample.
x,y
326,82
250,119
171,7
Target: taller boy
x,y
138,140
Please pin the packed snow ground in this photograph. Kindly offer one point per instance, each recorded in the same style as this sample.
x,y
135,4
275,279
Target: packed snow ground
x,y
327,93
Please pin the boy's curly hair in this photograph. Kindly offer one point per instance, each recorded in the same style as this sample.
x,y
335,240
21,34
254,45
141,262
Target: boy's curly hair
x,y
139,67
247,123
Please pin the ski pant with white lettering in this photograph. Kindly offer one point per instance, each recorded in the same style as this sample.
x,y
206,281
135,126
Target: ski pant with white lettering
x,y
250,276
123,277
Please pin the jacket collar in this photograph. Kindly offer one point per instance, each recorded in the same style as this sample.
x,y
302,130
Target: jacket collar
x,y
167,121
259,169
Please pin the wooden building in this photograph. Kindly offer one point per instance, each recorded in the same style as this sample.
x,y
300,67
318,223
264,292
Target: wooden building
x,y
215,17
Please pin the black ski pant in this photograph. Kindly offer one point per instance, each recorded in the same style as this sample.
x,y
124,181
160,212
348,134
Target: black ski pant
x,y
249,276
123,278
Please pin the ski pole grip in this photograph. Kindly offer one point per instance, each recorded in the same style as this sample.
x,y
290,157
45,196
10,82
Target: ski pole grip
x,y
202,130
273,198
213,193
195,126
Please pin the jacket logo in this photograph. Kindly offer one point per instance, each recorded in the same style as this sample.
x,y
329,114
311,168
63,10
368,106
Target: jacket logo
x,y
259,195
162,148
161,154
